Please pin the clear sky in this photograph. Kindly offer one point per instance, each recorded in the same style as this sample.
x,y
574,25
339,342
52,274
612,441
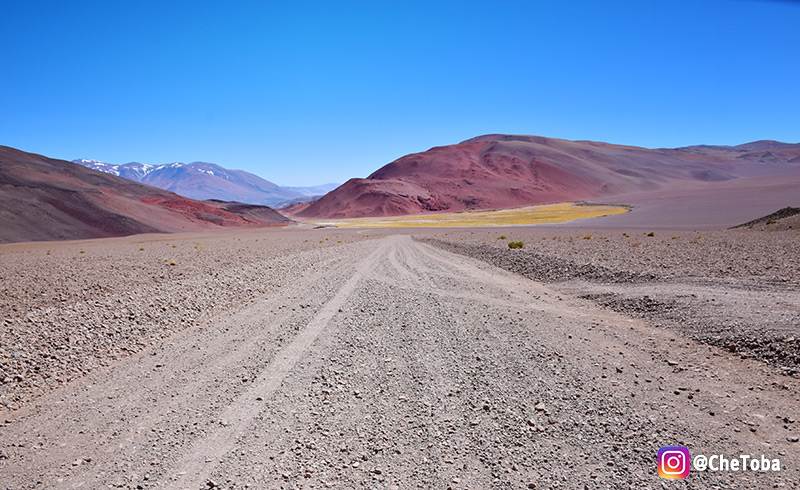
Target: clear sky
x,y
304,93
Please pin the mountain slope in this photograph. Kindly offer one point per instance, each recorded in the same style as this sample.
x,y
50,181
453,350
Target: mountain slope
x,y
47,199
200,180
500,171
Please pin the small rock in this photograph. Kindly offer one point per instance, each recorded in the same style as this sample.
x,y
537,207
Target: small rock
x,y
793,438
211,484
539,406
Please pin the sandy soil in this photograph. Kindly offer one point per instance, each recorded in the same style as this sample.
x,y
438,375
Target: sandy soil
x,y
382,363
700,206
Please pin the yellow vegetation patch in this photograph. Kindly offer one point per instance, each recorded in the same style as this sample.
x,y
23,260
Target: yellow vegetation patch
x,y
529,215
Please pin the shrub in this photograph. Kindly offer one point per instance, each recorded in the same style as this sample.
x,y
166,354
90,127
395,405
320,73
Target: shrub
x,y
587,237
515,244
501,237
651,234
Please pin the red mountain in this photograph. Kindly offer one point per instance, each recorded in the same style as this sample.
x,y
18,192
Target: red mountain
x,y
46,199
500,171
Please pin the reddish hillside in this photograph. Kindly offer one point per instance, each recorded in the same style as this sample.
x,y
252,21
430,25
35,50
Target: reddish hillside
x,y
46,199
500,171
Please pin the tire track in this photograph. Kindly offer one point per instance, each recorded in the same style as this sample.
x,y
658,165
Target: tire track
x,y
200,459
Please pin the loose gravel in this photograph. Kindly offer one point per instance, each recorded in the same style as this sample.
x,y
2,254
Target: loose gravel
x,y
395,364
70,308
735,289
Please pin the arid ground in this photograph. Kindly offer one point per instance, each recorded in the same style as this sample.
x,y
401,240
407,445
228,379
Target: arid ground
x,y
398,358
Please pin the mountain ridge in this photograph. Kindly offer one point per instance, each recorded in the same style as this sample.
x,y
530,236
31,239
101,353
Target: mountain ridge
x,y
43,198
499,171
203,180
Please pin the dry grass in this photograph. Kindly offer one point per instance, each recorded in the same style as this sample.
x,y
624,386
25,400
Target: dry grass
x,y
530,215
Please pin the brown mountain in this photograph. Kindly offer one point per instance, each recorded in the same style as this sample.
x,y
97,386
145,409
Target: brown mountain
x,y
500,171
46,199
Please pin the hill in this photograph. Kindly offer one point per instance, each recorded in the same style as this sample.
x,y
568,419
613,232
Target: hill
x,y
500,171
47,199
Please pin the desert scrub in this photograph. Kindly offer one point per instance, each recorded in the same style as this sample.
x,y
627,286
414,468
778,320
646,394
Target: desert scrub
x,y
515,244
501,237
587,237
651,234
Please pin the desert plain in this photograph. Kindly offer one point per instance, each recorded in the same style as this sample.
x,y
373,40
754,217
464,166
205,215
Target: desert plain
x,y
399,358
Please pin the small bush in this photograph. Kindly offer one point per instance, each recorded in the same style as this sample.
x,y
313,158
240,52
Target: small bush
x,y
515,245
636,244
587,237
651,234
501,237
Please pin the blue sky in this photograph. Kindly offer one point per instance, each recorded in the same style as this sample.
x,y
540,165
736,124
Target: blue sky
x,y
303,93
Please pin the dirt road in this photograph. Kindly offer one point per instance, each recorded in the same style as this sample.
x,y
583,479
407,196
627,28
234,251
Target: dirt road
x,y
395,364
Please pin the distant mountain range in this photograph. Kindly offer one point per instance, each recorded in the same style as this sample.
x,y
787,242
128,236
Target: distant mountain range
x,y
200,180
500,171
47,199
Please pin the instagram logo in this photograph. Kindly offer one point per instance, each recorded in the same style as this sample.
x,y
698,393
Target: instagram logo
x,y
673,462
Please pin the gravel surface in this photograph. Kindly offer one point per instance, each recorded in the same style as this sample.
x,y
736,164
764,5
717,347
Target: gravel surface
x,y
739,290
392,363
69,308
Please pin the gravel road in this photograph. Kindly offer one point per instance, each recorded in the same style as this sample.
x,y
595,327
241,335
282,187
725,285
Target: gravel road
x,y
391,363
